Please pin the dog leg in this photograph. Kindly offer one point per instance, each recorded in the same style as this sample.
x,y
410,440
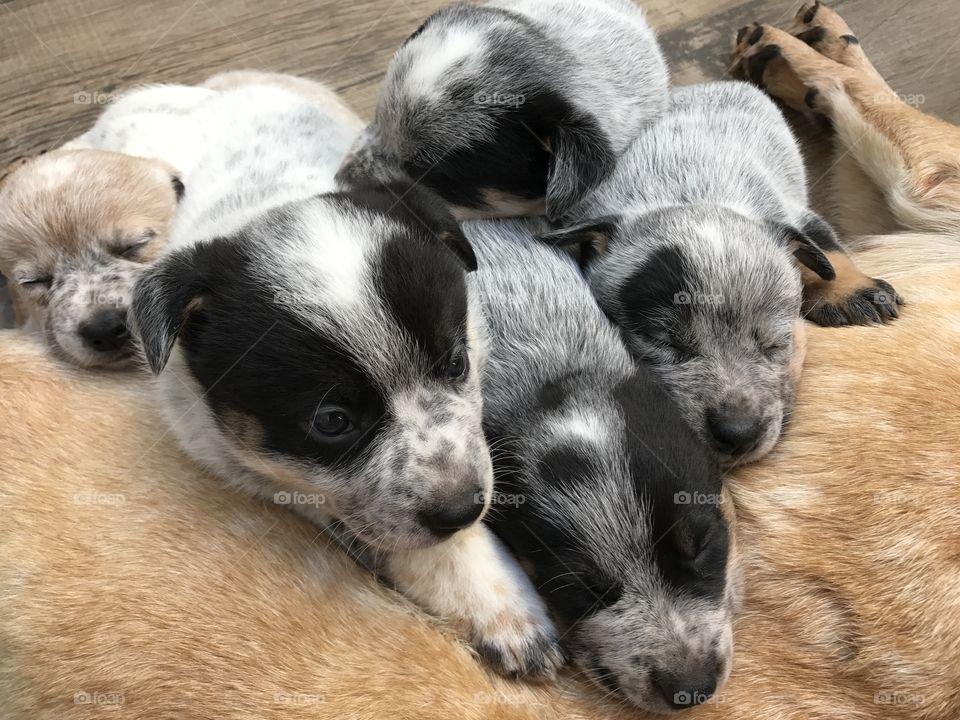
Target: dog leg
x,y
474,583
794,72
818,65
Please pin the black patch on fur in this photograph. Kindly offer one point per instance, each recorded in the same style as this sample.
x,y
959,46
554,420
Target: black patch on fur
x,y
755,35
516,160
810,98
809,14
421,212
813,35
655,301
680,480
851,39
757,64
178,187
250,354
425,291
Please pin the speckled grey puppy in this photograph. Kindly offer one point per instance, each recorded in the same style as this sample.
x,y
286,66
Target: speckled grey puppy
x,y
607,497
691,246
515,107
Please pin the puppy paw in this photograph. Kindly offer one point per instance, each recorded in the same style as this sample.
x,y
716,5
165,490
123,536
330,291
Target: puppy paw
x,y
870,301
825,31
519,646
786,67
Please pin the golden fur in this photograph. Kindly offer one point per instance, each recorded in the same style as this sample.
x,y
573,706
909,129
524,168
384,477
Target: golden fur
x,y
135,586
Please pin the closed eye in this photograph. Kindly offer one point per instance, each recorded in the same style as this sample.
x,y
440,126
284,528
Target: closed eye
x,y
131,250
36,283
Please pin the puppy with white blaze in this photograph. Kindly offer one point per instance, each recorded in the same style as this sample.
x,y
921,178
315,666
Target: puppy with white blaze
x,y
320,347
699,267
608,499
515,107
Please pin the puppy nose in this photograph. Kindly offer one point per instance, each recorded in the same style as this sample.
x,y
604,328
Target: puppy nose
x,y
734,430
687,688
454,514
106,330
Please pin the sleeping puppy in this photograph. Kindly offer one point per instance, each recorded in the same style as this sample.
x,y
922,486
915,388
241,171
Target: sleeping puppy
x,y
514,107
609,500
320,348
76,228
699,268
79,224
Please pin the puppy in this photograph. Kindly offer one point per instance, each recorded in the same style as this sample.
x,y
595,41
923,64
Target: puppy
x,y
515,107
607,497
321,348
699,267
76,228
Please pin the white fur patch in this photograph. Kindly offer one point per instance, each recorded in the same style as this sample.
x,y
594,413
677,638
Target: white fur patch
x,y
438,53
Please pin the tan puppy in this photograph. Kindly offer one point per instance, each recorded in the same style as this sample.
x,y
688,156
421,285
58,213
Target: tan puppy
x,y
76,226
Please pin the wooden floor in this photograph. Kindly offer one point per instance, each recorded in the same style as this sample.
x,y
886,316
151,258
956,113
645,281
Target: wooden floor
x,y
61,60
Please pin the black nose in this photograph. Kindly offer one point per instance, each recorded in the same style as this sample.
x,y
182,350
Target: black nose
x,y
105,331
454,514
734,430
687,688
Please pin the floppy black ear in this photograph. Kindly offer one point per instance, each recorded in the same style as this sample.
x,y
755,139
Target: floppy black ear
x,y
454,239
806,251
585,241
580,157
426,207
163,297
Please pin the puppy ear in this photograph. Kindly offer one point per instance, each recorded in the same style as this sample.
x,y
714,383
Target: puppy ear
x,y
584,241
163,297
425,207
580,157
454,239
806,252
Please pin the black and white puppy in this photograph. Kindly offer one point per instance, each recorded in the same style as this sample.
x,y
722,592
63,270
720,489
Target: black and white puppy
x,y
692,246
321,347
515,107
609,500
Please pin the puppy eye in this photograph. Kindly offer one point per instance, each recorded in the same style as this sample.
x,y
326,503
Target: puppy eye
x,y
38,283
775,349
131,250
457,364
332,422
